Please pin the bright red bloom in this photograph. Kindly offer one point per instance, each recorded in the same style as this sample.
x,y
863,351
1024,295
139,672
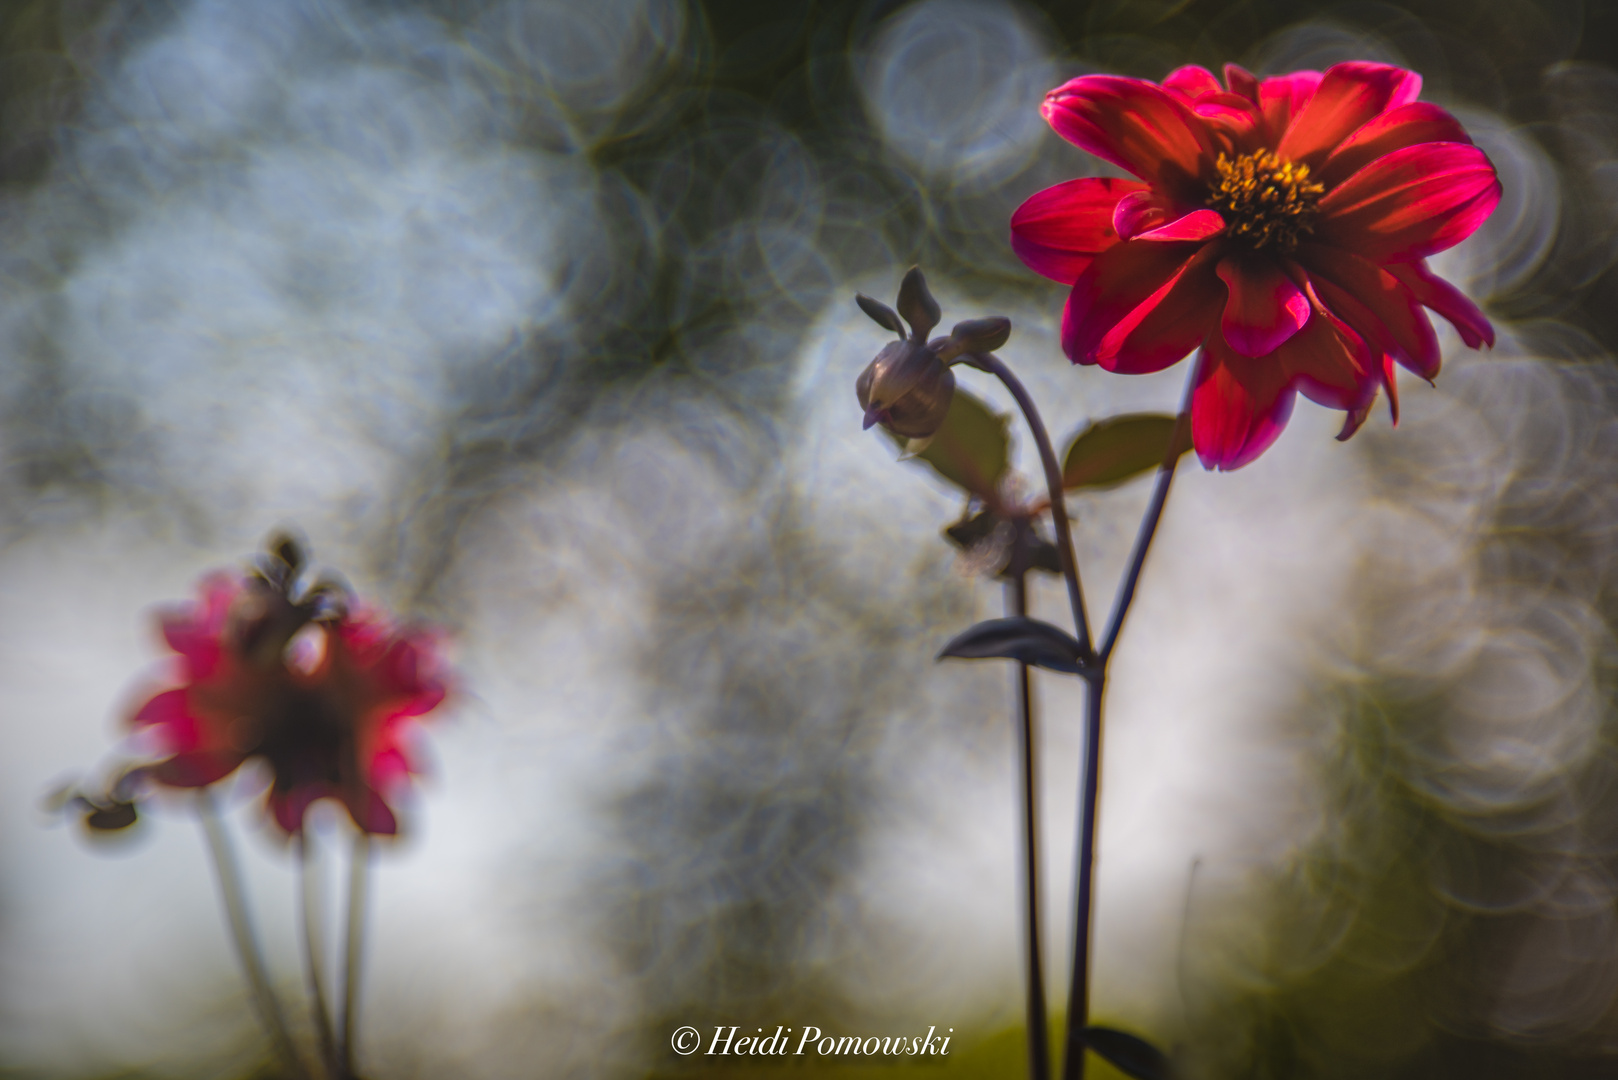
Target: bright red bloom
x,y
324,698
1282,225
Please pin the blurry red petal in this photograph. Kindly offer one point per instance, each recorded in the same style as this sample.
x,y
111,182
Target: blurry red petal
x,y
1138,126
1113,317
1408,125
197,769
1444,298
167,708
1264,307
1239,406
1349,95
1410,203
1374,302
371,813
390,769
1059,231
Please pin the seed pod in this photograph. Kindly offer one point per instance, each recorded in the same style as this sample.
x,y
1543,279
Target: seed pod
x,y
906,389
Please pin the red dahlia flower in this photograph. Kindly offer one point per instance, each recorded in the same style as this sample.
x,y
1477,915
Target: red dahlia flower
x,y
1282,225
323,695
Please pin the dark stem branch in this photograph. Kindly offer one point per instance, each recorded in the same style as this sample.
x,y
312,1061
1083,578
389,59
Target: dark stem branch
x,y
359,865
228,874
1078,1000
1039,1052
309,881
1053,481
1148,529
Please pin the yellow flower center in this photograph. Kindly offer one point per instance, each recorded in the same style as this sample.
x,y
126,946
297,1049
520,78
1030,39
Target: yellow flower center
x,y
1266,202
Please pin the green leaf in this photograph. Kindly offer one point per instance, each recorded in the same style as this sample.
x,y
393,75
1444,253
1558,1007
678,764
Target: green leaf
x,y
1129,1054
972,448
1119,448
1018,638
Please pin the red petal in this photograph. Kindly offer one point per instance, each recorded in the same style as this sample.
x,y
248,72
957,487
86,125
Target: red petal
x,y
1141,307
1192,81
1410,203
1140,211
1059,231
197,769
1375,304
1140,127
1330,364
1239,407
1408,125
1197,225
371,813
1264,308
1348,96
1444,298
166,709
1280,99
1242,83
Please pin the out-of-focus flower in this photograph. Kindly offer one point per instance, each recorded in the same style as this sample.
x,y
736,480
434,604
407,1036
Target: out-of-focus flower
x,y
323,694
1282,225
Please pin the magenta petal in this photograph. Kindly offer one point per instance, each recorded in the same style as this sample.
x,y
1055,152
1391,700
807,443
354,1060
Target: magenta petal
x,y
1139,211
1119,282
1142,128
1239,406
1408,125
1434,292
1281,98
1376,304
1058,232
198,769
1265,307
167,708
1242,83
1349,95
1197,225
1410,203
1192,81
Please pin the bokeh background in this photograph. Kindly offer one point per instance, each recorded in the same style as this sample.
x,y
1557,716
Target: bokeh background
x,y
535,317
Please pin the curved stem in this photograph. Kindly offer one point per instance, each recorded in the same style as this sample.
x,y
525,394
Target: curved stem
x,y
1039,1053
228,874
359,864
1053,481
308,880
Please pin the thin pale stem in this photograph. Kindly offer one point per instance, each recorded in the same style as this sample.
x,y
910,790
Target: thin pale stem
x,y
358,878
1053,481
228,874
309,883
1039,1047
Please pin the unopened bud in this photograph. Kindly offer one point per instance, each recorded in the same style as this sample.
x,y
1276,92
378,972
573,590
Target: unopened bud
x,y
907,389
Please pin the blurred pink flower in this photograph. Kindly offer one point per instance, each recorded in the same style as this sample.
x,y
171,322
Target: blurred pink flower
x,y
326,700
1282,225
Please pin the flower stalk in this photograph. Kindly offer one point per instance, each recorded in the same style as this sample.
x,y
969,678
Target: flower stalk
x,y
1039,1059
354,938
309,886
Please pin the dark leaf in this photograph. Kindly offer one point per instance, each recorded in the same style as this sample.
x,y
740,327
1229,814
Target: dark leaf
x,y
111,818
884,316
1129,1053
917,305
973,530
971,449
1119,448
1018,638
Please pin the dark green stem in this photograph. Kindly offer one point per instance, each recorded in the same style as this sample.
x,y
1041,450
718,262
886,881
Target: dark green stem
x,y
1039,1046
1053,482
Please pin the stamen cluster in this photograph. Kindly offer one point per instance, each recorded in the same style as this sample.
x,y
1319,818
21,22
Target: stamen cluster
x,y
1266,201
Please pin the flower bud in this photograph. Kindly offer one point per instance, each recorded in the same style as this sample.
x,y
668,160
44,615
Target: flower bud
x,y
907,389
